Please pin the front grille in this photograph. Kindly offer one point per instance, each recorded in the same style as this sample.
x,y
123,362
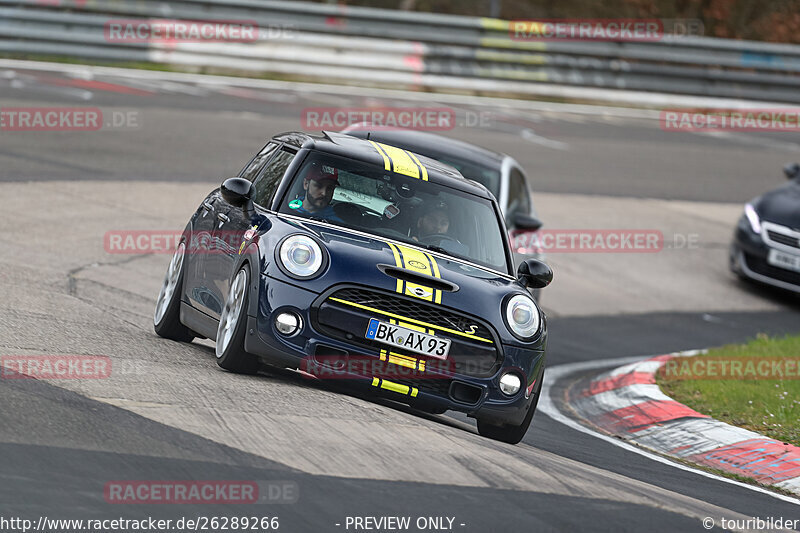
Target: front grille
x,y
760,266
436,386
410,309
786,240
348,323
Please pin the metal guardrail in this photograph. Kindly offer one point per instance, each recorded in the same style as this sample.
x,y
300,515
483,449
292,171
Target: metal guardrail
x,y
408,49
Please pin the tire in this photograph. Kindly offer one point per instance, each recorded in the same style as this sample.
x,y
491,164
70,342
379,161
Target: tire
x,y
233,326
167,315
508,433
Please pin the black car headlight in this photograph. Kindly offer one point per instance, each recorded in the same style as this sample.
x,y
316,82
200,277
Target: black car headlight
x,y
300,256
522,317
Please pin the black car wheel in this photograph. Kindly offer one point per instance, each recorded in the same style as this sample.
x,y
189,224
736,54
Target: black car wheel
x,y
508,433
232,326
166,319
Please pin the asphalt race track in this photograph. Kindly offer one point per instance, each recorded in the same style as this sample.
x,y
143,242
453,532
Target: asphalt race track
x,y
169,413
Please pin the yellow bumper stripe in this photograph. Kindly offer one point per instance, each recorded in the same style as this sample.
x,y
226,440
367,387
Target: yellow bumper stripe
x,y
403,360
395,387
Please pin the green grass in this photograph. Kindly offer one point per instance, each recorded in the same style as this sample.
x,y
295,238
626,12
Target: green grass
x,y
767,406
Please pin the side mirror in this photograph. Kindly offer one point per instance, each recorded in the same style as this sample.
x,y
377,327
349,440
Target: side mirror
x,y
525,222
792,170
237,191
534,274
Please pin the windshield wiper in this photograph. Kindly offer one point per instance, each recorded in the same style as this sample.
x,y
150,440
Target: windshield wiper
x,y
439,249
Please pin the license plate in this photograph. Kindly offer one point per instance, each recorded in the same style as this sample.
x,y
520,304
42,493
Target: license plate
x,y
407,339
782,260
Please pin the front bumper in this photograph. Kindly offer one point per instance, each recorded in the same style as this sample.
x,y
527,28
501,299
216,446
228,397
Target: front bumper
x,y
748,258
412,379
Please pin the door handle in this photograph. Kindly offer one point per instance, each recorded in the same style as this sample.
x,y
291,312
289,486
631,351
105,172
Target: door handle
x,y
207,206
223,217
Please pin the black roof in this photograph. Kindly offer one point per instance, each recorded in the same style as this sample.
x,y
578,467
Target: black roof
x,y
432,145
357,148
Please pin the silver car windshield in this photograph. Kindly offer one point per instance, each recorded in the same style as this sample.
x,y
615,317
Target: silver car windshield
x,y
368,198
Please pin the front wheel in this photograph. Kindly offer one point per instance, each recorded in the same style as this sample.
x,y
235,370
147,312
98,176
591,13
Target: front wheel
x,y
508,433
167,316
232,328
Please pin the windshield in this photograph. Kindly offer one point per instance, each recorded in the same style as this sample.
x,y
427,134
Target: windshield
x,y
368,198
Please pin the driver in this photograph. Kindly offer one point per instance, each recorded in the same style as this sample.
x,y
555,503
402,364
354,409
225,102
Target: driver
x,y
319,185
435,221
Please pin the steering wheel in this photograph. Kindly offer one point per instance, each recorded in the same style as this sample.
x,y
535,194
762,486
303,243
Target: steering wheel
x,y
439,237
349,212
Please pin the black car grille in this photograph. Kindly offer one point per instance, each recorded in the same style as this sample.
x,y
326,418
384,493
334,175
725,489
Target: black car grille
x,y
410,309
760,266
335,315
786,240
437,386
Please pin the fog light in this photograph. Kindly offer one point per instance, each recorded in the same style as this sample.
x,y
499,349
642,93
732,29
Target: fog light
x,y
510,384
288,323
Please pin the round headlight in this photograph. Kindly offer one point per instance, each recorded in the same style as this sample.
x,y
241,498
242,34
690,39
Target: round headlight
x,y
522,316
301,256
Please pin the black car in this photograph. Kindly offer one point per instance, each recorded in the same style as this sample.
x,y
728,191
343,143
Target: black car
x,y
766,244
313,258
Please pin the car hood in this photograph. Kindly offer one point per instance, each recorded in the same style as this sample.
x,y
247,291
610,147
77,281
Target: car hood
x,y
781,206
355,258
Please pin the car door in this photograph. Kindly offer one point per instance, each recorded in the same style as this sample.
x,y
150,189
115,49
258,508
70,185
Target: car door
x,y
232,223
198,245
202,246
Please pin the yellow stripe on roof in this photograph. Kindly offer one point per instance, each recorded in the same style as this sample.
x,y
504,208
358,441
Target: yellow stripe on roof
x,y
386,164
401,161
421,166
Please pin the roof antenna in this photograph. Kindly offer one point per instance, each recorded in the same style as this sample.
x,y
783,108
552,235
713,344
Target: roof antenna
x,y
368,134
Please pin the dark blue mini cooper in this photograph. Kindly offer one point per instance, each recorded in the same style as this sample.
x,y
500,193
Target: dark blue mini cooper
x,y
354,260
